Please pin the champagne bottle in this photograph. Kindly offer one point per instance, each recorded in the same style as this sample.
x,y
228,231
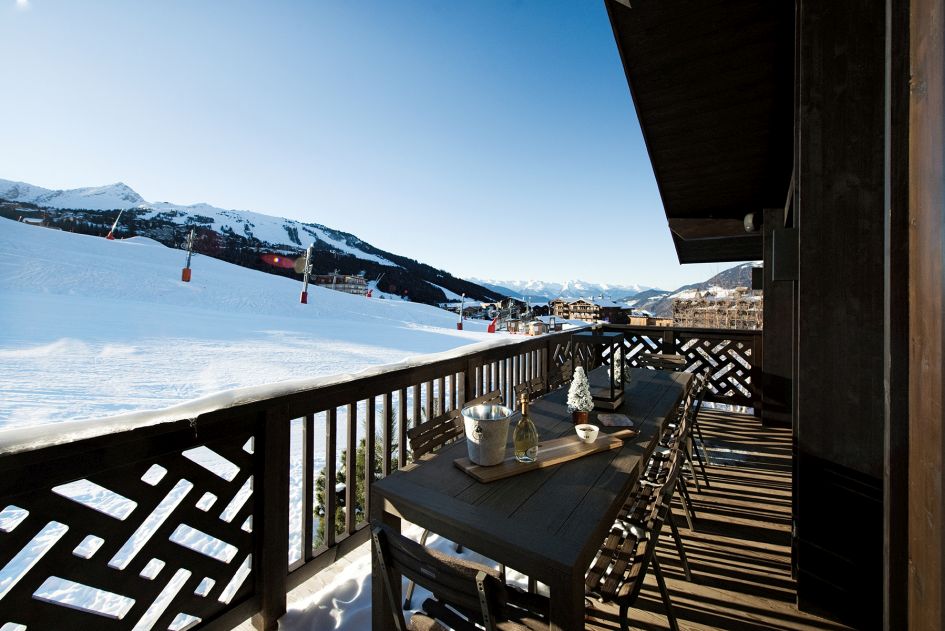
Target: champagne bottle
x,y
525,436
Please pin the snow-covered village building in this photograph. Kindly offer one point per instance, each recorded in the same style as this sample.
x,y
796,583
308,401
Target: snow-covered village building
x,y
739,308
590,310
348,283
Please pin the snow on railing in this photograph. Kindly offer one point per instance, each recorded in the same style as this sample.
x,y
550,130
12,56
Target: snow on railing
x,y
210,510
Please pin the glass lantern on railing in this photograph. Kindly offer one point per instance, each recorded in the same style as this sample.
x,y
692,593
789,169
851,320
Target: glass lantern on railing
x,y
593,348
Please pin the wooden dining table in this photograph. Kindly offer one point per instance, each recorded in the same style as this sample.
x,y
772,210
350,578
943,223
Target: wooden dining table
x,y
546,523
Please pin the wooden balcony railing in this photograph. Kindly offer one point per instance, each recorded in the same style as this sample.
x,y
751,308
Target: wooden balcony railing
x,y
206,521
732,357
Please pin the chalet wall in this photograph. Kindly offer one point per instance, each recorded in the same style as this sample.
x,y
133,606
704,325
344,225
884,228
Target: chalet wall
x,y
839,415
778,331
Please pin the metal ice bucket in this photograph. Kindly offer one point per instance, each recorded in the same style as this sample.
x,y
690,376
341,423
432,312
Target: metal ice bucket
x,y
487,432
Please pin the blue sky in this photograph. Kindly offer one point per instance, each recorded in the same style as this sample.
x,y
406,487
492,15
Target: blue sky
x,y
491,139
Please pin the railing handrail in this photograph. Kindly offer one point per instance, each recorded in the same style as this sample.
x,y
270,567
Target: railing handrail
x,y
688,330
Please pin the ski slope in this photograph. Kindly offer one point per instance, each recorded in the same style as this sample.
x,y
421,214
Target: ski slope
x,y
91,328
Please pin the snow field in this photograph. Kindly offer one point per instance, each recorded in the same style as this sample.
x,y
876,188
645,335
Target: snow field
x,y
99,336
91,328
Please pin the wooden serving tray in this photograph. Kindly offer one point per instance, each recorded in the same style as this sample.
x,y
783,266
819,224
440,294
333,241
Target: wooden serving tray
x,y
550,453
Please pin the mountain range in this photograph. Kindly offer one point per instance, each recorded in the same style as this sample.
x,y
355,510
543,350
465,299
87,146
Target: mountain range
x,y
236,236
543,291
244,237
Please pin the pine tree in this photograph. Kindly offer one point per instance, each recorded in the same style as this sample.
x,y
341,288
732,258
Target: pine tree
x,y
360,466
579,394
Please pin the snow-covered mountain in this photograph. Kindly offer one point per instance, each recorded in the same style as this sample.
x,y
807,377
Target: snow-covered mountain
x,y
537,290
110,197
237,236
276,231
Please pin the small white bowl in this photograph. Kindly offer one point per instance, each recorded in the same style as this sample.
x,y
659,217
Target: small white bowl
x,y
586,432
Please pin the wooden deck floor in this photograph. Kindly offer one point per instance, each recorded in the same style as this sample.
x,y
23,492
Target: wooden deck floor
x,y
740,552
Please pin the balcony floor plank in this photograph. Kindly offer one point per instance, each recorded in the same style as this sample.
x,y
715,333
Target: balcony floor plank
x,y
740,554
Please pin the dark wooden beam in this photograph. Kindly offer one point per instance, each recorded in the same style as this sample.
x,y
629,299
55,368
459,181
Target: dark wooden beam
x,y
896,330
926,298
749,247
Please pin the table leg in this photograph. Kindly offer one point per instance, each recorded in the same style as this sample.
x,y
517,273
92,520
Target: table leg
x,y
382,616
567,601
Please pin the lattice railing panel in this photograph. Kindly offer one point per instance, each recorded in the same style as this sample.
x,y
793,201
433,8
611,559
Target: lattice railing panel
x,y
636,344
729,365
562,352
163,543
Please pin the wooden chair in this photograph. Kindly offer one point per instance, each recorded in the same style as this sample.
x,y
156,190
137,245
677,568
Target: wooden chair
x,y
662,474
675,439
619,569
561,375
465,594
703,387
433,434
534,387
690,426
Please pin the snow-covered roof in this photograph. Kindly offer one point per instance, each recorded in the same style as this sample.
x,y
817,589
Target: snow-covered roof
x,y
606,303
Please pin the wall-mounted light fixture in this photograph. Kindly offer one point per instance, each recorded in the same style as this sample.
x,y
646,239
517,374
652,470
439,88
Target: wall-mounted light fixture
x,y
752,222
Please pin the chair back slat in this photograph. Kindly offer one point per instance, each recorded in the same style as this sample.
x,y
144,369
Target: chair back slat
x,y
428,436
561,375
494,397
469,587
619,569
534,388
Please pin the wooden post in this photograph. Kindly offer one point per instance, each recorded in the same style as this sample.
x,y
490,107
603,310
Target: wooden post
x,y
778,333
427,402
896,329
351,477
271,518
369,455
387,434
668,344
926,302
308,485
331,450
840,218
469,382
415,408
402,428
757,359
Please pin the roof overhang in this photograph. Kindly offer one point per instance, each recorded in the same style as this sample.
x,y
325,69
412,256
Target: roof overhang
x,y
712,83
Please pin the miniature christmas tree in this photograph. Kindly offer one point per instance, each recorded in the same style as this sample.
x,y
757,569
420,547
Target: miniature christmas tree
x,y
579,394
